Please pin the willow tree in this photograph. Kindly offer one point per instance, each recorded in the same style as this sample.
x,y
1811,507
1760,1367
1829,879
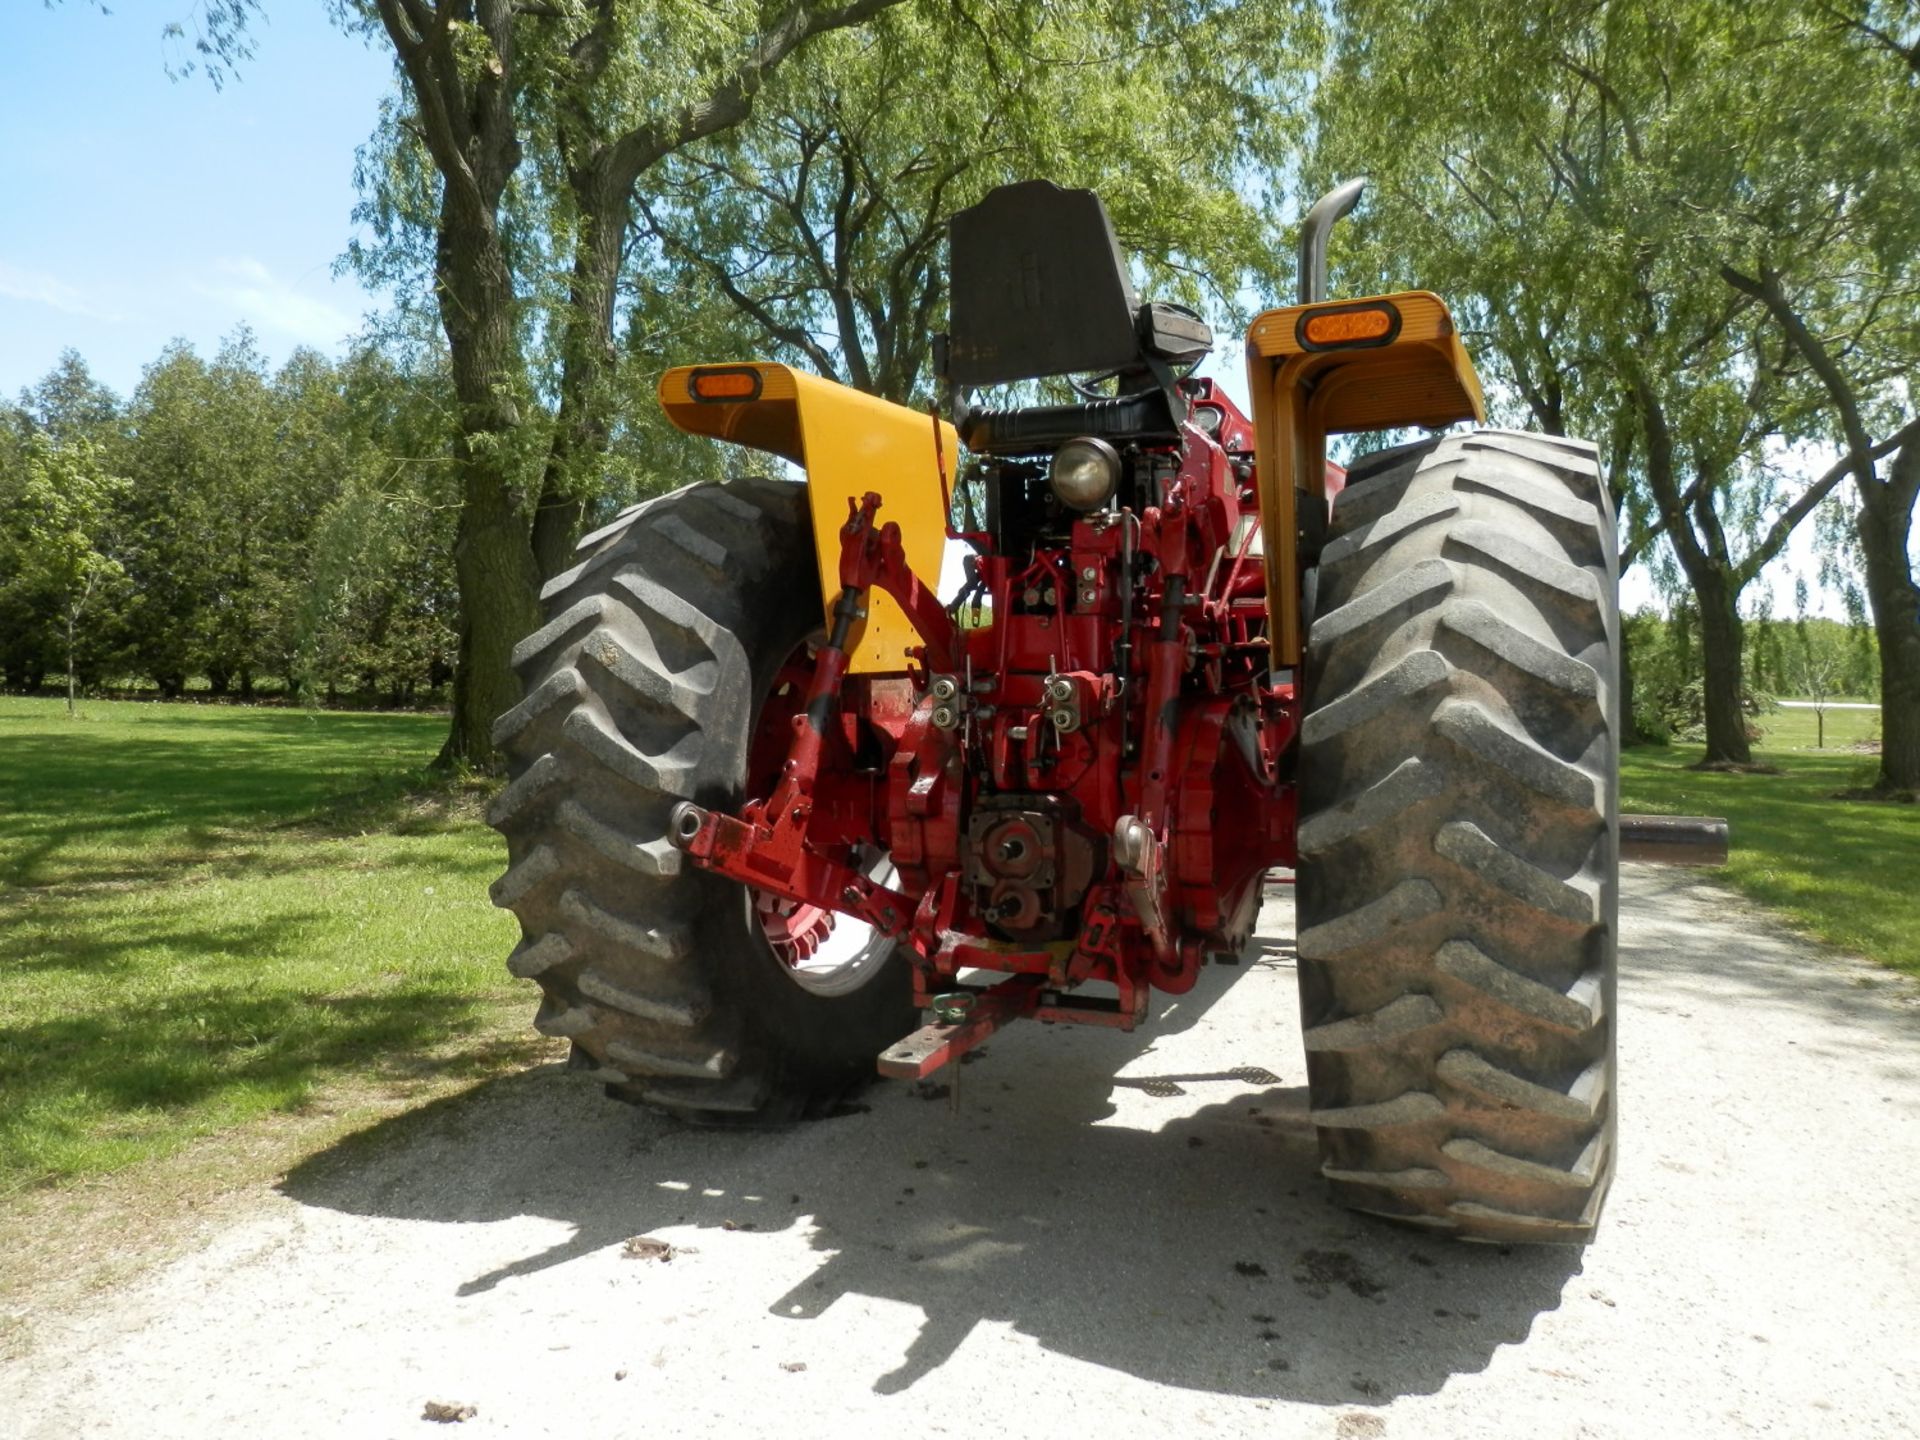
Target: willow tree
x,y
821,224
617,85
1583,185
1824,242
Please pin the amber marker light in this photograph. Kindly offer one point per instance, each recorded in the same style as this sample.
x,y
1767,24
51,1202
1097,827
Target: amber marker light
x,y
1349,326
715,386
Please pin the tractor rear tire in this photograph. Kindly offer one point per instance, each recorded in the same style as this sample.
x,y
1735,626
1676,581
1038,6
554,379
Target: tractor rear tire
x,y
1458,880
643,689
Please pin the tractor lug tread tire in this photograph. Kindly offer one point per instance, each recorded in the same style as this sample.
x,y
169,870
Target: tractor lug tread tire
x,y
641,689
1458,837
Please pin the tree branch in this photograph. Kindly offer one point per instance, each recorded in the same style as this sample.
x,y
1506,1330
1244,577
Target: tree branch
x,y
792,335
1909,55
1768,291
414,33
731,100
1789,519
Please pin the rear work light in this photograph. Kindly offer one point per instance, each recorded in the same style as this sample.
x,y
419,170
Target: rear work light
x,y
1349,326
720,386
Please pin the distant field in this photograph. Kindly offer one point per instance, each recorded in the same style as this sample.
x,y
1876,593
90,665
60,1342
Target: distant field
x,y
1844,870
196,931
1798,729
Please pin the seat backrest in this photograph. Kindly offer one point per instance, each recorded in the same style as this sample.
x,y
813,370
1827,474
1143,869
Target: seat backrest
x,y
1038,287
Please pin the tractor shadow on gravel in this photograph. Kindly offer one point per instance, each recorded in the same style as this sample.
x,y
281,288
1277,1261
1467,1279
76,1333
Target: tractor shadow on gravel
x,y
1202,1253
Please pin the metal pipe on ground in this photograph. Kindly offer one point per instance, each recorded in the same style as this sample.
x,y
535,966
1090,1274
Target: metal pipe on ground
x,y
1674,839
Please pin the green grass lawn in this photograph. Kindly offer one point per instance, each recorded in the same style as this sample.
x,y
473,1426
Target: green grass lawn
x,y
214,914
196,929
1845,871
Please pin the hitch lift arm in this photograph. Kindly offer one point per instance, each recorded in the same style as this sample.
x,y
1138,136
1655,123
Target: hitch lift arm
x,y
766,847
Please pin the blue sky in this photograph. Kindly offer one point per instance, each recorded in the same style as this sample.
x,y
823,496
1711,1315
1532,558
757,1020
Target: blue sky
x,y
134,208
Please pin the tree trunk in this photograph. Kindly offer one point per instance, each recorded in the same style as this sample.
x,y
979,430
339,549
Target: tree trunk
x,y
70,664
1629,731
1703,557
602,169
582,424
492,554
1720,640
558,518
1885,527
460,67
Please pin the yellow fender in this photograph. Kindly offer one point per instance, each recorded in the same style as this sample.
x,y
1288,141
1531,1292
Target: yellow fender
x,y
848,442
1329,368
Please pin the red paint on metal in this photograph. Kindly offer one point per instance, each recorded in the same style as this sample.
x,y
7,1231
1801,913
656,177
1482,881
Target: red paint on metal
x,y
1038,734
924,1051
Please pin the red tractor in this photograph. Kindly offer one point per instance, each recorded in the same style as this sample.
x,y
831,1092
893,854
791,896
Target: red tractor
x,y
774,804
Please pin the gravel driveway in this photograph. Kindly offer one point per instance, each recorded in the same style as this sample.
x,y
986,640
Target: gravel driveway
x,y
1106,1236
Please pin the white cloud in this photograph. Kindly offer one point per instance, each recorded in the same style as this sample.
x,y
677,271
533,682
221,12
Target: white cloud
x,y
36,287
274,305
